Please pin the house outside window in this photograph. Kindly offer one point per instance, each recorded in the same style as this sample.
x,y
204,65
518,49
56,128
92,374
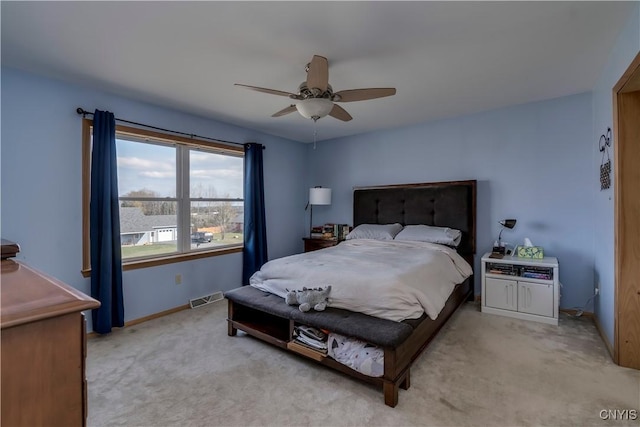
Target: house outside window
x,y
179,198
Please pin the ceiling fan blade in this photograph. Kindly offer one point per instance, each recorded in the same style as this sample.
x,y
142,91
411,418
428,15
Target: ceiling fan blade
x,y
340,113
318,73
363,94
269,91
290,109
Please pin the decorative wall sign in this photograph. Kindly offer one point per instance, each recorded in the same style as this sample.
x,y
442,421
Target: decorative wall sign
x,y
605,166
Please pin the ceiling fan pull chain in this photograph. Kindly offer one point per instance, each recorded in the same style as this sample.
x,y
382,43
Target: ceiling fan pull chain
x,y
315,133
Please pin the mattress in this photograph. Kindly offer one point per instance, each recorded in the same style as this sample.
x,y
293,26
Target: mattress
x,y
393,280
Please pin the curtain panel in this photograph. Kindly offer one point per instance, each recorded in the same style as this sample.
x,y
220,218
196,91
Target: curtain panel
x,y
106,258
255,231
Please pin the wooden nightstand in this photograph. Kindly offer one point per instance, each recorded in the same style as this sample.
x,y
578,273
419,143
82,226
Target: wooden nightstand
x,y
315,243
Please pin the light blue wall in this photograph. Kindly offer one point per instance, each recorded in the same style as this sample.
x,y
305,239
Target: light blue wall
x,y
41,189
533,162
626,48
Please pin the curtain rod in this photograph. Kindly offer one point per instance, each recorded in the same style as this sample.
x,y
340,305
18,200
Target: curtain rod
x,y
84,112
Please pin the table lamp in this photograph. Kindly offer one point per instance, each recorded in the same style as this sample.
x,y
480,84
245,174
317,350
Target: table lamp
x,y
498,247
317,196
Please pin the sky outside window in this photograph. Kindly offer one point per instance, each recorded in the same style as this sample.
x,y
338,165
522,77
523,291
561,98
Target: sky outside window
x,y
153,167
146,166
215,175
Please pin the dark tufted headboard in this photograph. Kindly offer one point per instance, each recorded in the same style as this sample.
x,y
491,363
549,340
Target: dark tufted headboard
x,y
443,204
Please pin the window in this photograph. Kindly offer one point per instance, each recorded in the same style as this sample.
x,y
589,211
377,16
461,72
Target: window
x,y
180,198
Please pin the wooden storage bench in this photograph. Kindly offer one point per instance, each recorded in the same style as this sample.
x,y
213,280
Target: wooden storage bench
x,y
269,318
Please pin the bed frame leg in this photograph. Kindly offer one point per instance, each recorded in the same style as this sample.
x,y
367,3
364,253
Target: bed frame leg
x,y
231,331
390,394
406,382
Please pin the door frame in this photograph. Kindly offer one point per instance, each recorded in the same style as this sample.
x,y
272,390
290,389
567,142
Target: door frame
x,y
629,82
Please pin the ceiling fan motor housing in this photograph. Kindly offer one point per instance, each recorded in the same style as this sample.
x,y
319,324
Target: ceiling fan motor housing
x,y
304,92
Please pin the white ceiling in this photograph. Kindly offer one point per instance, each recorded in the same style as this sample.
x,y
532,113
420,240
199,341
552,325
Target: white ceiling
x,y
445,58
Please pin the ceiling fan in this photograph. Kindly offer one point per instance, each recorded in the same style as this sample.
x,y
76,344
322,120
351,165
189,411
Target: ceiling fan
x,y
315,98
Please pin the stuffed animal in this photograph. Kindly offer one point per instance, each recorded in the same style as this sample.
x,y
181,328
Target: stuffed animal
x,y
316,298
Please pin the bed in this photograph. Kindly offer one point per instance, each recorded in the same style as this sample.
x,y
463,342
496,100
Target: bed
x,y
266,316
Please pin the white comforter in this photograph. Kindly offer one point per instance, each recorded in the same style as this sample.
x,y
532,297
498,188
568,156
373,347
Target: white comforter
x,y
393,280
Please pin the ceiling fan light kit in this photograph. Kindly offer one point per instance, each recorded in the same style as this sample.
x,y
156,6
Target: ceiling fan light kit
x,y
314,108
315,97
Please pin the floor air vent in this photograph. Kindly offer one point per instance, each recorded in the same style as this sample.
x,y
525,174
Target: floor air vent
x,y
207,299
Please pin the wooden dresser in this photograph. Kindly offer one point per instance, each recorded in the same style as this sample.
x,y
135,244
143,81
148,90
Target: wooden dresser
x,y
43,349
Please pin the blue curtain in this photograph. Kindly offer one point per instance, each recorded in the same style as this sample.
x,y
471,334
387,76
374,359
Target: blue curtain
x,y
255,231
106,259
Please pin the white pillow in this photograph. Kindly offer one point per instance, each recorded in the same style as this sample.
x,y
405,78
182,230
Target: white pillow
x,y
375,231
427,233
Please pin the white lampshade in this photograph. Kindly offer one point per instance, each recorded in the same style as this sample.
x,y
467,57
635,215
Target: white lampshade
x,y
319,196
314,108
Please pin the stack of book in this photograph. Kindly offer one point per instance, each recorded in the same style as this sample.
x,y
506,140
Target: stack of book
x,y
316,232
330,231
496,268
311,338
533,272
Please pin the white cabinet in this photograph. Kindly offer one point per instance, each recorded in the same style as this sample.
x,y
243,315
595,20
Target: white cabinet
x,y
501,294
522,288
535,298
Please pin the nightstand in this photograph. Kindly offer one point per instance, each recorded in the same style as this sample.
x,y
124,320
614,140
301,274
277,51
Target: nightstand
x,y
523,288
315,243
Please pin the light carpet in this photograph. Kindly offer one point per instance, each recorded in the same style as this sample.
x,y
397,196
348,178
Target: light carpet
x,y
481,370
